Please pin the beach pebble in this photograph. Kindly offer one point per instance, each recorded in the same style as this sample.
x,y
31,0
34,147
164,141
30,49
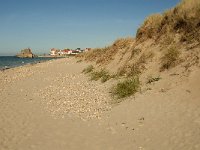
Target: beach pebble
x,y
84,99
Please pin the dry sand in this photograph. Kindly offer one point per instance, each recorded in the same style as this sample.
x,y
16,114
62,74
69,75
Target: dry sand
x,y
53,106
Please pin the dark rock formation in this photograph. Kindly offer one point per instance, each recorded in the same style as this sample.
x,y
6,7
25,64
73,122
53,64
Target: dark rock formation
x,y
26,53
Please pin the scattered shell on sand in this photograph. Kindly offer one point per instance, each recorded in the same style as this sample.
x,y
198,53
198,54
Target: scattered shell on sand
x,y
72,95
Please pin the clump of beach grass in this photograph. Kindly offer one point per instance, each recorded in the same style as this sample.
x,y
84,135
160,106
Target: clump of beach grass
x,y
105,78
170,59
89,69
102,74
95,75
126,88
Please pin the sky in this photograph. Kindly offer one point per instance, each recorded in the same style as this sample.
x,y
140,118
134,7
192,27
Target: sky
x,y
44,24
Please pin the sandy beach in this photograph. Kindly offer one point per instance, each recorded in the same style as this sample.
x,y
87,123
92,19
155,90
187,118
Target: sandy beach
x,y
54,106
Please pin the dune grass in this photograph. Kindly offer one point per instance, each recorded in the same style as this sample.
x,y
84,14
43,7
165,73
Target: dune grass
x,y
89,69
103,74
95,75
106,54
170,59
126,88
183,19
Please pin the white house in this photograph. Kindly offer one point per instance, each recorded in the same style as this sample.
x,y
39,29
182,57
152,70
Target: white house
x,y
53,52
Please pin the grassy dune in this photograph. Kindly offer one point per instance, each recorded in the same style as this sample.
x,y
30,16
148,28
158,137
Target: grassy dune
x,y
184,20
164,42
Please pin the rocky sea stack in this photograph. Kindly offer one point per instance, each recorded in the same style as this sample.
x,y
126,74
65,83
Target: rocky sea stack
x,y
26,53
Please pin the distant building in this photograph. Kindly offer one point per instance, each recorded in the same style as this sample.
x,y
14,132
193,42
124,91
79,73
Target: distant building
x,y
65,52
74,52
54,52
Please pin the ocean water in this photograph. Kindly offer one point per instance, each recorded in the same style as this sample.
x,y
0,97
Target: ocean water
x,y
12,61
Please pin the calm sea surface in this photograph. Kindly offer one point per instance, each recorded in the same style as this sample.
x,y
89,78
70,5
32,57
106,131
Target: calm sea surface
x,y
12,61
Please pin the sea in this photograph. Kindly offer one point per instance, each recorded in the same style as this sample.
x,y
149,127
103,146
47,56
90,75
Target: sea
x,y
7,62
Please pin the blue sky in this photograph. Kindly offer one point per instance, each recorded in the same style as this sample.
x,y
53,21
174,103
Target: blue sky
x,y
44,24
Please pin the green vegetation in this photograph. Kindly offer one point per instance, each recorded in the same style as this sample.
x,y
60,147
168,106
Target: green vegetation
x,y
122,89
170,29
102,74
89,69
96,75
170,59
126,88
106,77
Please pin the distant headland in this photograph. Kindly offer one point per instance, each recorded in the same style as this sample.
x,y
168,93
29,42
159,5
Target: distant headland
x,y
26,53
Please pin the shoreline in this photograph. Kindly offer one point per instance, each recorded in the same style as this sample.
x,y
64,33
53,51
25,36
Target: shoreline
x,y
6,67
